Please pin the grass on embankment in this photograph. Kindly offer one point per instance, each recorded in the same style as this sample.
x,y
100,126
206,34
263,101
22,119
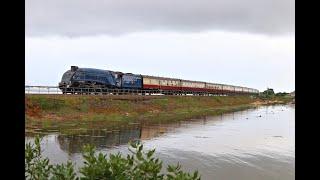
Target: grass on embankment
x,y
98,112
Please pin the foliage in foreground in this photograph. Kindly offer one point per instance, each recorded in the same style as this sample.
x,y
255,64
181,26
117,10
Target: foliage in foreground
x,y
137,165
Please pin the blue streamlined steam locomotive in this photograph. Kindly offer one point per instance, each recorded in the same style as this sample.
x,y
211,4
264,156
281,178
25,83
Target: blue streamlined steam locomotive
x,y
97,78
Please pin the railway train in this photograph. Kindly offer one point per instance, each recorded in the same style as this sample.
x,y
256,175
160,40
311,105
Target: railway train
x,y
78,78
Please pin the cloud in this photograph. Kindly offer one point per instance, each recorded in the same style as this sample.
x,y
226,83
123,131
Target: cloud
x,y
254,61
94,17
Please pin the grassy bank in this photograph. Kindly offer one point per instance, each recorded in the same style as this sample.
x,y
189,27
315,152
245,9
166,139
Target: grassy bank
x,y
52,112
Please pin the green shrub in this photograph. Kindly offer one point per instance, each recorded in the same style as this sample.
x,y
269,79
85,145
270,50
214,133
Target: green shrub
x,y
63,172
137,165
36,167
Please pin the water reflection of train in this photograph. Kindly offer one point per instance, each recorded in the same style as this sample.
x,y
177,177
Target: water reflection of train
x,y
100,139
103,139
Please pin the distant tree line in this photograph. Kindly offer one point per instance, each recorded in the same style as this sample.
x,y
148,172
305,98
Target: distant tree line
x,y
270,93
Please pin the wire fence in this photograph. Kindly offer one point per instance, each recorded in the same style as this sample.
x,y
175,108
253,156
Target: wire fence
x,y
42,90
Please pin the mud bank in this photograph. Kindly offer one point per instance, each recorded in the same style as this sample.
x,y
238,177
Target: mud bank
x,y
52,112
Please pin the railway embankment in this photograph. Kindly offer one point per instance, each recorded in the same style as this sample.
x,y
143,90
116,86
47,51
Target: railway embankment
x,y
66,112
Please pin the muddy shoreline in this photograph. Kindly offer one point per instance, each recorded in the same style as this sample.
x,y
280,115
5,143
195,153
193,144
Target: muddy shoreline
x,y
47,113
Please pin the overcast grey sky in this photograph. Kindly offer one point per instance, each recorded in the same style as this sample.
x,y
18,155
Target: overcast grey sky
x,y
239,42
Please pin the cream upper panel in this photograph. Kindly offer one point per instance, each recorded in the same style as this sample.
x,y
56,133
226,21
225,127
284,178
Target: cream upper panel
x,y
150,81
161,81
193,84
169,82
238,89
214,86
228,88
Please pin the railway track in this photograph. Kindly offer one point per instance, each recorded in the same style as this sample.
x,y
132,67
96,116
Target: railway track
x,y
108,91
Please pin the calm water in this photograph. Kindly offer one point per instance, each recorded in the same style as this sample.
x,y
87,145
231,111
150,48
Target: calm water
x,y
251,144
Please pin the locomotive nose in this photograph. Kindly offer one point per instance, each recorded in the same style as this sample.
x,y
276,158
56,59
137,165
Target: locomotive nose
x,y
62,84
